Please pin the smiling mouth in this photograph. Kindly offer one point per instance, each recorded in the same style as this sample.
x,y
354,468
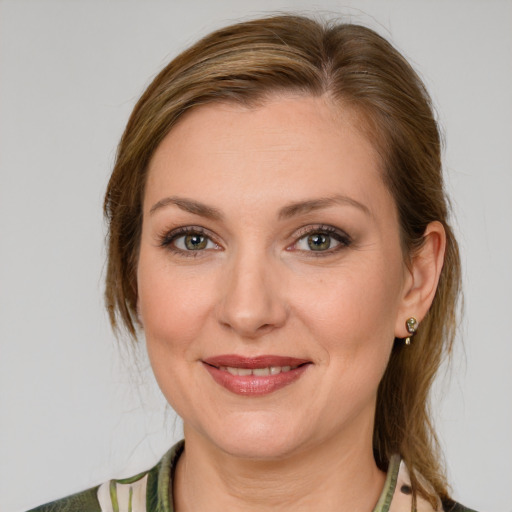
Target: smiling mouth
x,y
257,375
258,372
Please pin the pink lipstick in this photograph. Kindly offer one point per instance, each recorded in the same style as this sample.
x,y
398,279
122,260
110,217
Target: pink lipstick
x,y
253,376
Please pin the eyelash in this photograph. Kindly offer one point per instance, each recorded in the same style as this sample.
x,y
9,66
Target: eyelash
x,y
168,239
341,237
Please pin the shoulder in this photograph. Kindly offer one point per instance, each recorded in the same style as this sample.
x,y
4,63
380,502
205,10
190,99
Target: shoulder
x,y
400,489
85,501
146,491
452,506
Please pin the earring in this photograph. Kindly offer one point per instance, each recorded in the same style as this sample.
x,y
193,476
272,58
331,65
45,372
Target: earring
x,y
411,324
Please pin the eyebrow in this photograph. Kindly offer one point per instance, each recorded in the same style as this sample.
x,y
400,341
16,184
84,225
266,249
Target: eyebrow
x,y
188,205
303,207
288,211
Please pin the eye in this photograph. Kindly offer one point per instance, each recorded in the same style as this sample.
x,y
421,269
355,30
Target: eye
x,y
317,242
193,242
189,240
322,240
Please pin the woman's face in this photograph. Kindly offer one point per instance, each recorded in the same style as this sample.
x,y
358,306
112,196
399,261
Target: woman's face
x,y
271,279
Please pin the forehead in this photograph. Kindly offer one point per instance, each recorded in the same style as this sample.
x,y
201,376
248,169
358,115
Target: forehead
x,y
287,147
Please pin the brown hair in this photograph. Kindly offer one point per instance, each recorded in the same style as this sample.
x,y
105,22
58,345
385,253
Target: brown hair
x,y
359,70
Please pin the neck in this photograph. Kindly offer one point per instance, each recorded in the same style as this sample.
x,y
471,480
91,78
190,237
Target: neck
x,y
331,476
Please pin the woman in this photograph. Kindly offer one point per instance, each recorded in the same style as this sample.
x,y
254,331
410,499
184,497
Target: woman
x,y
278,231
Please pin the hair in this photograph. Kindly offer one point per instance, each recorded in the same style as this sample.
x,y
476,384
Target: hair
x,y
248,62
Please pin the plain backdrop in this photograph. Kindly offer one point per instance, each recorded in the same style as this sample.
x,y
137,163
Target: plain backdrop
x,y
75,408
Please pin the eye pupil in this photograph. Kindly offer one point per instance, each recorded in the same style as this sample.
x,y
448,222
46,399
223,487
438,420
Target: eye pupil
x,y
195,242
319,242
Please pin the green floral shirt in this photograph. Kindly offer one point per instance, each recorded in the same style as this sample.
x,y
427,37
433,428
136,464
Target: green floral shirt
x,y
151,491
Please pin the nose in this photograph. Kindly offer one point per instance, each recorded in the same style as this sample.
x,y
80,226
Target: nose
x,y
252,302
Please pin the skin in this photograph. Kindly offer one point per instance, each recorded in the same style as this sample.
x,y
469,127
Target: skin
x,y
258,288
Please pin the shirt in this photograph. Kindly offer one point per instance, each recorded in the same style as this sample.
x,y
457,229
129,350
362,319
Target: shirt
x,y
151,491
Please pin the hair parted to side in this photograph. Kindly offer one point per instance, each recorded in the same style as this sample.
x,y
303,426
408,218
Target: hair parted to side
x,y
360,71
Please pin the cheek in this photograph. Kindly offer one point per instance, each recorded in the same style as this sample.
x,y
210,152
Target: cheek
x,y
356,303
173,306
350,316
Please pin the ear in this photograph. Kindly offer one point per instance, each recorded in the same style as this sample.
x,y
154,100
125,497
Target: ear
x,y
422,276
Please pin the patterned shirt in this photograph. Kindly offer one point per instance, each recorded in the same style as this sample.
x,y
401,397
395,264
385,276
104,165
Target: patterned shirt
x,y
151,491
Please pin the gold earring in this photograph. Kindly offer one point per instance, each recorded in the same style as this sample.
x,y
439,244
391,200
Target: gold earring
x,y
411,324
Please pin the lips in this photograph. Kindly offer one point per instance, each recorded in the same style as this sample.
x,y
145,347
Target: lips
x,y
255,375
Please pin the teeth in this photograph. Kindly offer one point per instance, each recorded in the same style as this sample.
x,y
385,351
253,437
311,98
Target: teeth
x,y
258,372
261,372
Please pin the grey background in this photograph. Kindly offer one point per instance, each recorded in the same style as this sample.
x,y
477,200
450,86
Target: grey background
x,y
75,409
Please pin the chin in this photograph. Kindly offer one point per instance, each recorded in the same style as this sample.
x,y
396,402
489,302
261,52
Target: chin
x,y
257,438
259,447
